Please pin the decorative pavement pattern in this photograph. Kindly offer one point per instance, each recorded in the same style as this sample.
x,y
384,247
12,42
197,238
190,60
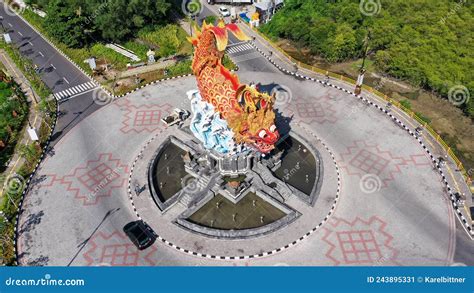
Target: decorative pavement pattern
x,y
313,110
359,242
143,118
115,249
361,158
93,180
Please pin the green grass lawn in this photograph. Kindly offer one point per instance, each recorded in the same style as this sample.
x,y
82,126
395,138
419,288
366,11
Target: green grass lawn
x,y
151,37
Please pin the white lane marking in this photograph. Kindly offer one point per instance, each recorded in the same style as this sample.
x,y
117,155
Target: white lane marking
x,y
31,44
53,66
11,25
75,91
20,34
77,95
67,81
41,54
239,47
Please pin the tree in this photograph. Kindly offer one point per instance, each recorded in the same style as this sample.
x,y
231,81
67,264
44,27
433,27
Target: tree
x,y
428,43
343,44
168,40
120,18
67,23
77,22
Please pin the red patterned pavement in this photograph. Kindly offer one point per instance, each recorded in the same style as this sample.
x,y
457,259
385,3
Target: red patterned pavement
x,y
362,158
313,110
92,180
143,118
359,242
116,249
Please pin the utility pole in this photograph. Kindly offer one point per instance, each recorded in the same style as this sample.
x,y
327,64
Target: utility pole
x,y
360,78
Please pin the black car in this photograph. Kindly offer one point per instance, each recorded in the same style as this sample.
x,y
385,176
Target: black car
x,y
140,234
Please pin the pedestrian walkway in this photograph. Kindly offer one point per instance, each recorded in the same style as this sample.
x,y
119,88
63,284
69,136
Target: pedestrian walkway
x,y
33,116
239,47
74,91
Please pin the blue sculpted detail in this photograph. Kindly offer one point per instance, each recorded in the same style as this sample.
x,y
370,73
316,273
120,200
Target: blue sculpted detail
x,y
209,128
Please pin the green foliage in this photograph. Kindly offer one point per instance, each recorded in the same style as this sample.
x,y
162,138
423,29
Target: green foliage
x,y
423,117
228,63
211,19
29,152
121,18
139,49
77,23
166,38
66,23
428,43
99,50
13,113
406,104
180,68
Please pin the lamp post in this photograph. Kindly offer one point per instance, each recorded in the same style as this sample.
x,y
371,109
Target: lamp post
x,y
360,78
1,23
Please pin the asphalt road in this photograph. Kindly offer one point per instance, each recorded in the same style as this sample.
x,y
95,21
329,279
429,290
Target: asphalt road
x,y
209,10
55,70
58,73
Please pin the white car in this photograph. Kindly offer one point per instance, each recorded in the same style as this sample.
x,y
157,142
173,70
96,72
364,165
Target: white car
x,y
224,11
178,116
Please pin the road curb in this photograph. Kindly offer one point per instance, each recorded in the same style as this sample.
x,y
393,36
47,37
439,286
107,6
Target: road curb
x,y
456,208
27,185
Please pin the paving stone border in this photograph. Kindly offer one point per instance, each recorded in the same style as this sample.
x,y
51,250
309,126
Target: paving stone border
x,y
241,257
459,214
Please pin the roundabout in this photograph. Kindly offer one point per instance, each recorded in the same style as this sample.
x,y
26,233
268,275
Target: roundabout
x,y
344,183
303,217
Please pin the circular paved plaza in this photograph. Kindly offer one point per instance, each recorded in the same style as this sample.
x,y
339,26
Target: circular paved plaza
x,y
381,201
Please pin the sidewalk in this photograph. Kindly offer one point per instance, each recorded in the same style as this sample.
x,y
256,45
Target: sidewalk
x,y
33,116
454,176
18,76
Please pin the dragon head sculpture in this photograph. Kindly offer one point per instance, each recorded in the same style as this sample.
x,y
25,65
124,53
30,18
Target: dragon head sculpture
x,y
254,124
249,113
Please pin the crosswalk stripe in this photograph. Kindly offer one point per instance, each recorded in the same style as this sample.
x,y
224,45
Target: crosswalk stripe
x,y
64,94
239,48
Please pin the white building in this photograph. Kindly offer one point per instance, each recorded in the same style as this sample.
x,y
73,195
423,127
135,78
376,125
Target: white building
x,y
266,8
